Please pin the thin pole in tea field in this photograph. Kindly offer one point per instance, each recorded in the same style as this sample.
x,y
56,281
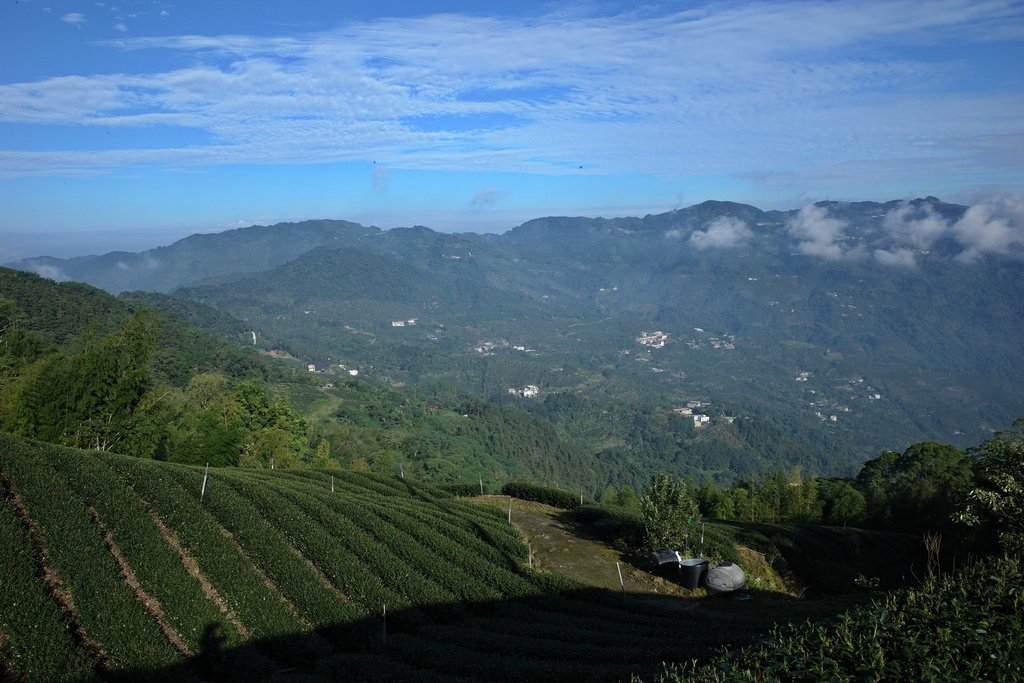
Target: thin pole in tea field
x,y
206,474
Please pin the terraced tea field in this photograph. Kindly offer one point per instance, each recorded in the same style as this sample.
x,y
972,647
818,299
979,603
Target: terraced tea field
x,y
117,568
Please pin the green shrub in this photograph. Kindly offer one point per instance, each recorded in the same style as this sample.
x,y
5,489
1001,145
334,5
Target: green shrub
x,y
542,494
968,626
461,490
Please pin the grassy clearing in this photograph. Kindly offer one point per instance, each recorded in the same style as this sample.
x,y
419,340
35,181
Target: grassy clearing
x,y
566,546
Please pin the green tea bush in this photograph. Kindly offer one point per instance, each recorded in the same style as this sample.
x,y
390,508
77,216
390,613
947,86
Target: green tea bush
x,y
542,494
461,490
969,626
43,647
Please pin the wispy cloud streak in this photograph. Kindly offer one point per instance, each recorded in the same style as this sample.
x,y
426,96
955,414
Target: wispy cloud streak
x,y
746,89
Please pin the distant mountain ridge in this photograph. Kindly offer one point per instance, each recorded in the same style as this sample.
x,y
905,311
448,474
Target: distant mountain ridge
x,y
858,325
197,257
222,256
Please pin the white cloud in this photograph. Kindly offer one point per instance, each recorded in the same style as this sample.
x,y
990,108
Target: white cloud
x,y
164,14
486,197
917,226
674,233
637,92
900,258
992,227
119,26
73,18
818,233
725,232
49,272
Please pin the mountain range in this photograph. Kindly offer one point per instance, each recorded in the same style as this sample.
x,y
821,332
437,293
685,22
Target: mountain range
x,y
844,327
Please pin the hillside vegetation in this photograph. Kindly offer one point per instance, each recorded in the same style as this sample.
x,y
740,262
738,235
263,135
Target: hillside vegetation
x,y
799,357
120,567
968,627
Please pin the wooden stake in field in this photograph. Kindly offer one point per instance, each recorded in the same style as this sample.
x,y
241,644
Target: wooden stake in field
x,y
332,483
581,495
206,474
401,469
481,484
529,556
622,584
384,624
510,509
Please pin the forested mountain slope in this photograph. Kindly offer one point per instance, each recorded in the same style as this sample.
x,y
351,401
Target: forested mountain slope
x,y
851,327
197,257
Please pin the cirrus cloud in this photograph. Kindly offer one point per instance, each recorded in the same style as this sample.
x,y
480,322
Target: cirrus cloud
x,y
647,91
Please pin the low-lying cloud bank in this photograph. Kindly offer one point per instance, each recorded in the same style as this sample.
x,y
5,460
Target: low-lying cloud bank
x,y
724,232
992,227
819,234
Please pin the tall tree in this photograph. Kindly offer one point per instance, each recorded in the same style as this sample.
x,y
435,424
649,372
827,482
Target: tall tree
x,y
997,500
917,489
92,399
667,513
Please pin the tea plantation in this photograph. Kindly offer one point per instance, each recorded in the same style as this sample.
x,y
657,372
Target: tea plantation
x,y
119,569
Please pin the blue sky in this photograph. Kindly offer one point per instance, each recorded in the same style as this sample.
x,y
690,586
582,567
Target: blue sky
x,y
135,121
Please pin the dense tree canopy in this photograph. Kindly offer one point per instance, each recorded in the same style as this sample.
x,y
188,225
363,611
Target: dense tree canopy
x,y
996,502
917,489
668,513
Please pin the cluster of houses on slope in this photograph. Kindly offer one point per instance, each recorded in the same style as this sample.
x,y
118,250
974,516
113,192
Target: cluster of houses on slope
x,y
656,339
659,339
699,419
329,367
529,391
403,323
487,347
855,386
726,341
